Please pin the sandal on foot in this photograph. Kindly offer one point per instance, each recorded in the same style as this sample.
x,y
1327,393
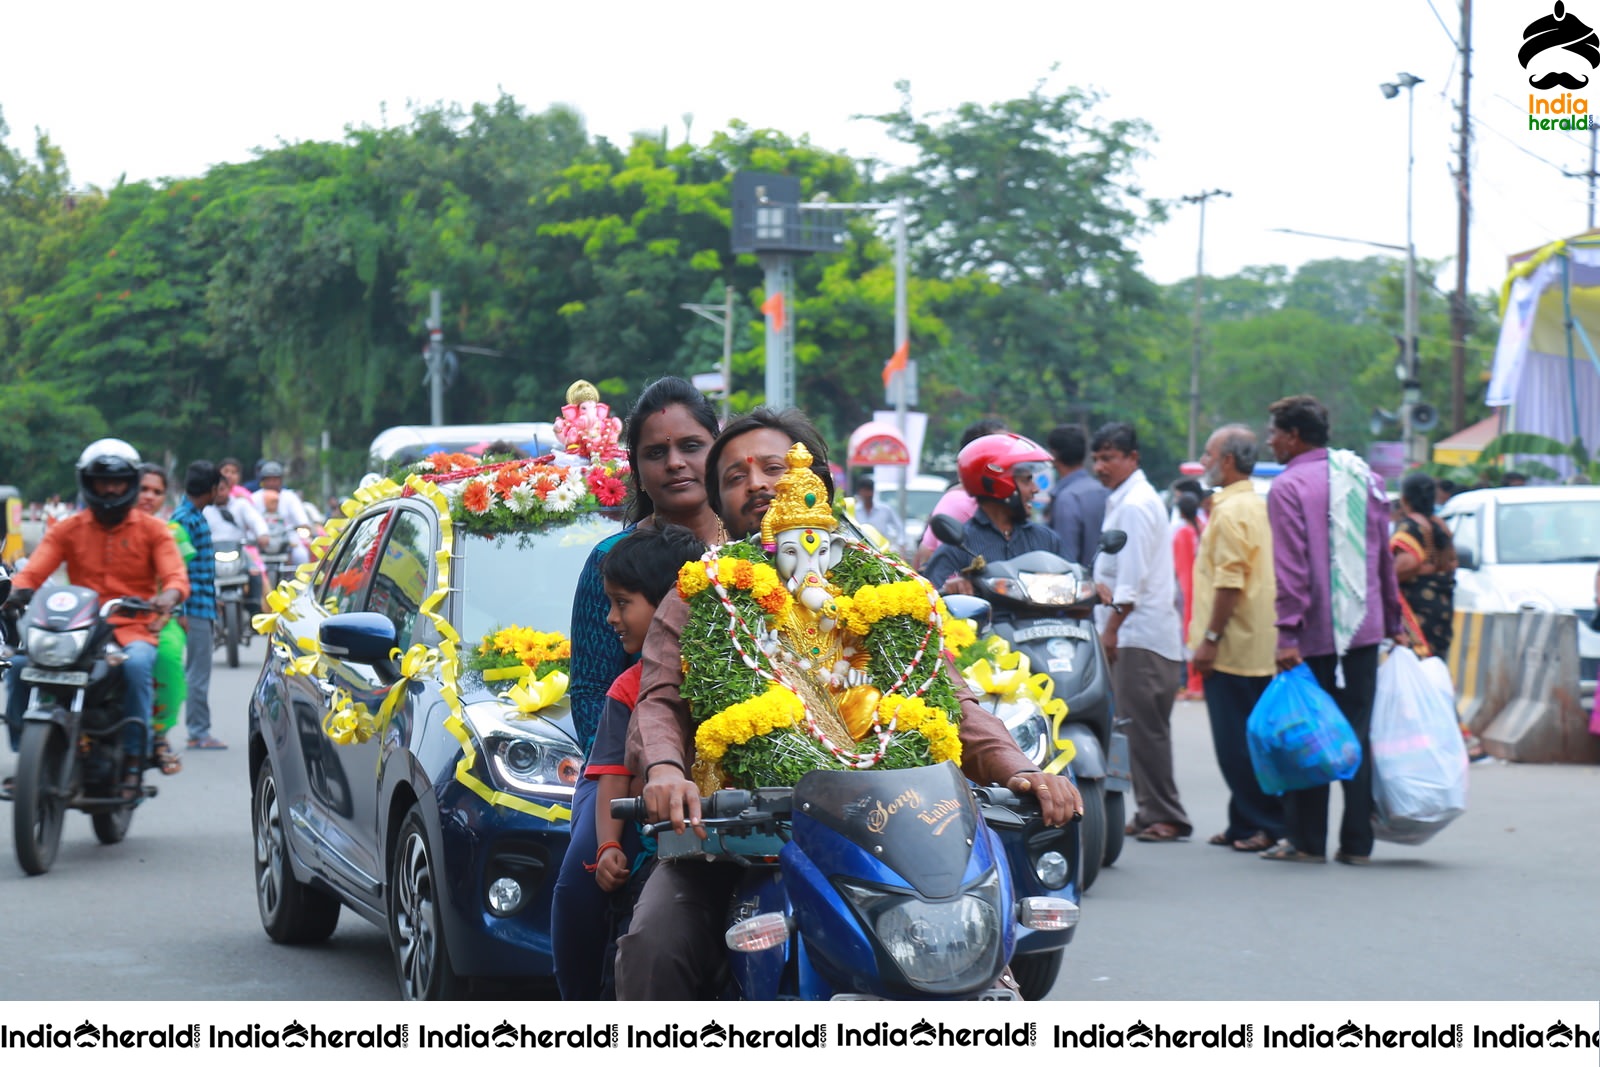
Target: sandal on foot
x,y
163,759
206,742
1161,831
1351,860
1283,850
132,785
1259,841
1219,839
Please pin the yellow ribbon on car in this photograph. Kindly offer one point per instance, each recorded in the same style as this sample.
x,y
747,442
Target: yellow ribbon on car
x,y
533,695
278,602
413,664
348,723
1011,677
309,664
458,729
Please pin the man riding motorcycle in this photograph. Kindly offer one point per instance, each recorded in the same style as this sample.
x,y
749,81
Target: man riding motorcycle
x,y
117,551
283,512
998,470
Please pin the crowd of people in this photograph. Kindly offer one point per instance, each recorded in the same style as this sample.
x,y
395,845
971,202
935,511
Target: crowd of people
x,y
1215,591
134,536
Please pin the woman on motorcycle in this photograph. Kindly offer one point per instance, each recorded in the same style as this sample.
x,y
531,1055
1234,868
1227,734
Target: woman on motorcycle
x,y
171,644
668,436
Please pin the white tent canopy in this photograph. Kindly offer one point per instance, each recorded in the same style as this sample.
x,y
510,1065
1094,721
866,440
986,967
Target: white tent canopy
x,y
1547,363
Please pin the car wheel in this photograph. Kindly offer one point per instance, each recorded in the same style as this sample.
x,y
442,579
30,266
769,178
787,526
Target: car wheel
x,y
39,797
1116,825
1092,830
292,913
416,933
1036,973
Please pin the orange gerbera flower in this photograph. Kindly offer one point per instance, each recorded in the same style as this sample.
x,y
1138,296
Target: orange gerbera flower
x,y
476,498
508,479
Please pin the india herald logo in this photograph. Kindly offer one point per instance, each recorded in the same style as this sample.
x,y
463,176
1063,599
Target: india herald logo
x,y
1564,33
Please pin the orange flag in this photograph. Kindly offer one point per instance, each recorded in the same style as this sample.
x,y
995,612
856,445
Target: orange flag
x,y
897,362
773,307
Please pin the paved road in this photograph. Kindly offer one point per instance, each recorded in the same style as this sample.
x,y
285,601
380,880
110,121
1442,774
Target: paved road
x,y
1497,907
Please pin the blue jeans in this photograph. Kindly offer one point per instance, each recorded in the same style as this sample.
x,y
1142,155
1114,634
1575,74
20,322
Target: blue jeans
x,y
580,909
1229,701
138,675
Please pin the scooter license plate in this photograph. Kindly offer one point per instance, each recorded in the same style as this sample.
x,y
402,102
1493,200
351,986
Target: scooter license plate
x,y
44,677
1075,630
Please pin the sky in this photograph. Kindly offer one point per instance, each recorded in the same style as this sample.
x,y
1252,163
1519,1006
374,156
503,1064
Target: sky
x,y
1276,103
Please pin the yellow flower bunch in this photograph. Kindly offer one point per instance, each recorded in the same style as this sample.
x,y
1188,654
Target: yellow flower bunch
x,y
958,633
533,648
912,713
733,573
692,579
776,709
874,603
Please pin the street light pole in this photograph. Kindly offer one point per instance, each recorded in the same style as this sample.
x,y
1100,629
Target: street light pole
x,y
902,320
1194,358
1410,389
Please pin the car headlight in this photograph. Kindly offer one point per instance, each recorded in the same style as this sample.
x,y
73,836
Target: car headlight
x,y
943,946
522,759
1029,729
47,648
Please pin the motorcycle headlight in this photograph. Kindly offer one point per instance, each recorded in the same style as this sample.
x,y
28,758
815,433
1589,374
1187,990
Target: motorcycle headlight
x,y
47,648
227,556
943,946
1062,589
524,760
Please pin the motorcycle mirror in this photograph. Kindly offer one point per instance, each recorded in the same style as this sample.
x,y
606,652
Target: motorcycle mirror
x,y
948,530
1113,541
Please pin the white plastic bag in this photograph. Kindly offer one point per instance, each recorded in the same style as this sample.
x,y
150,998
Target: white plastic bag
x,y
1419,761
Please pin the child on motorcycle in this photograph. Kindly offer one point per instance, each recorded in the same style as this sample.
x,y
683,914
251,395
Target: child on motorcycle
x,y
637,573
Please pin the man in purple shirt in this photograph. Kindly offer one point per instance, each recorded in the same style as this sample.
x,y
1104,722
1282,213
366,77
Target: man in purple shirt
x,y
1312,589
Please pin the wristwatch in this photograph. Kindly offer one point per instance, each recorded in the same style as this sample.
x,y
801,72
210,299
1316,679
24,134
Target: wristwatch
x,y
1213,636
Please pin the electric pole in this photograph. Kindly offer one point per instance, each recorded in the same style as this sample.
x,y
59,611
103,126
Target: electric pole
x,y
1194,358
1459,305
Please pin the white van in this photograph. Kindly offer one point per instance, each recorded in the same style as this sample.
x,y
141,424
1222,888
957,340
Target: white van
x,y
408,444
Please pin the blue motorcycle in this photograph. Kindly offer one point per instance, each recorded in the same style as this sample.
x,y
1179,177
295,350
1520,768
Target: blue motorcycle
x,y
880,885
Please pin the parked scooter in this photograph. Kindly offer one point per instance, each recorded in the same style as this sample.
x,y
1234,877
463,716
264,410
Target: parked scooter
x,y
1043,606
232,627
887,885
71,756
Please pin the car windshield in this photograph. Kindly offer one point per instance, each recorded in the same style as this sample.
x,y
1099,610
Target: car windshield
x,y
1548,531
527,577
919,503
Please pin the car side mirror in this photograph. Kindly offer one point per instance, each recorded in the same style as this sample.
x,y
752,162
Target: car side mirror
x,y
948,531
974,609
365,637
1113,541
1465,558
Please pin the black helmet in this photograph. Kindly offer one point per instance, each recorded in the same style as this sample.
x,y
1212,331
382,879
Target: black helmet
x,y
109,458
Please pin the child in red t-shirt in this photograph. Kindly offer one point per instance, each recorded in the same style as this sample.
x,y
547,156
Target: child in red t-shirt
x,y
637,572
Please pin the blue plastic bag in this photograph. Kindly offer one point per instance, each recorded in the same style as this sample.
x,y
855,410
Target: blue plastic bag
x,y
1298,737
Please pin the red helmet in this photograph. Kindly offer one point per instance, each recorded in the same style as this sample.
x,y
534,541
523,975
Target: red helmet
x,y
988,466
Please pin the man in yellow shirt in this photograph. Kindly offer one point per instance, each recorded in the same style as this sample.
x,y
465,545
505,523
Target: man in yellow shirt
x,y
1233,631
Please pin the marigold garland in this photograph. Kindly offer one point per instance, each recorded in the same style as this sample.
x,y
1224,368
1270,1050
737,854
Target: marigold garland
x,y
753,725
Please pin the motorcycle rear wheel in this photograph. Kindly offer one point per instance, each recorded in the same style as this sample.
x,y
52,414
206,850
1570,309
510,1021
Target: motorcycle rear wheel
x,y
1092,830
231,627
39,805
1116,825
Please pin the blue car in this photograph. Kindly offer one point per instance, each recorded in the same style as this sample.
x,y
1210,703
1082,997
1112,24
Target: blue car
x,y
396,775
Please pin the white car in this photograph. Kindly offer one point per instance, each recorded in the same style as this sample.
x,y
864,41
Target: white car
x,y
1534,546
